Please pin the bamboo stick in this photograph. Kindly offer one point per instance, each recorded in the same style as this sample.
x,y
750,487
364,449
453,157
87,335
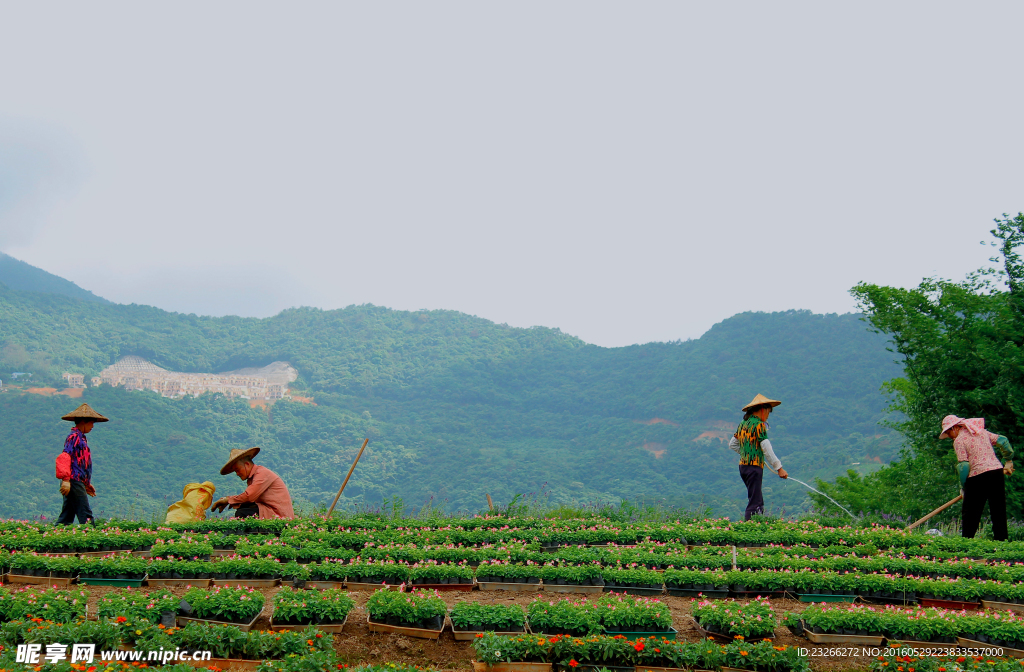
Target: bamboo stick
x,y
937,511
348,476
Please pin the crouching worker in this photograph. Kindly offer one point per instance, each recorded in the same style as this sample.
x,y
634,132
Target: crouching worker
x,y
751,442
266,495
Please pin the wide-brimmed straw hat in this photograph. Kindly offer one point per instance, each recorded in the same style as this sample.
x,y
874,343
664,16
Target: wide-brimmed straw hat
x,y
84,412
761,400
235,456
948,423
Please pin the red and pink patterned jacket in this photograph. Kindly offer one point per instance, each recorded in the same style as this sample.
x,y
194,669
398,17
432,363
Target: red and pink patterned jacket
x,y
75,463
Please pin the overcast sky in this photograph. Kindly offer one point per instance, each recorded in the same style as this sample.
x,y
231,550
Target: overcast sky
x,y
627,172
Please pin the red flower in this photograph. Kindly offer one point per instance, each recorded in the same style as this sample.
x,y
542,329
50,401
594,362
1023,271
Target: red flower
x,y
120,619
639,646
573,663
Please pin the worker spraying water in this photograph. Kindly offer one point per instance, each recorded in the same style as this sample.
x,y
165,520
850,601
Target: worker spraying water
x,y
755,450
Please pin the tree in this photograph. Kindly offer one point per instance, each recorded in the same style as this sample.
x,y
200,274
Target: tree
x,y
960,344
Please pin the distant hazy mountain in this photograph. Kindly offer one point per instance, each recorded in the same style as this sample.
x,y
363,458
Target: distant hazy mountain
x,y
16,274
456,407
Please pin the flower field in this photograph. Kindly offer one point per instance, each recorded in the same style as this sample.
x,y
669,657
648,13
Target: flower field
x,y
584,591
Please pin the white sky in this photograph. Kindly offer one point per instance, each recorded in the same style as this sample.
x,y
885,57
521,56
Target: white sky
x,y
625,171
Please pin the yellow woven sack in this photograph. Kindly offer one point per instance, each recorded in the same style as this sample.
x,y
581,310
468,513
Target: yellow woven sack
x,y
196,498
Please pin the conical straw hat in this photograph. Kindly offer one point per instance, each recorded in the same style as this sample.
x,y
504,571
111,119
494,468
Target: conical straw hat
x,y
761,400
84,412
235,455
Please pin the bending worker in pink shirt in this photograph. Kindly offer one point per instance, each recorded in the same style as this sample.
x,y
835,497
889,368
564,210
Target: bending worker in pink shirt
x,y
266,495
982,475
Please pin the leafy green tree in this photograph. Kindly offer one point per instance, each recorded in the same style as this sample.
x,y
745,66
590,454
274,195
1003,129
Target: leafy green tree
x,y
960,344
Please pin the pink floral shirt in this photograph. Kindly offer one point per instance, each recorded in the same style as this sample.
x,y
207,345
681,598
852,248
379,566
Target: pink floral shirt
x,y
974,445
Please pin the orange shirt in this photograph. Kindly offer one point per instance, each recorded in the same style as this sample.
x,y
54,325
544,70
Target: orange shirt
x,y
268,492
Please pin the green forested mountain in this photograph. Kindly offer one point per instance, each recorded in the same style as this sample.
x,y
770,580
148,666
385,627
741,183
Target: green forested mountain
x,y
455,406
16,274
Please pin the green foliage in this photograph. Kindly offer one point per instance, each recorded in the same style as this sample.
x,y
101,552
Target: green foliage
x,y
960,344
137,604
752,620
418,609
239,605
603,651
626,613
475,616
566,616
311,606
50,604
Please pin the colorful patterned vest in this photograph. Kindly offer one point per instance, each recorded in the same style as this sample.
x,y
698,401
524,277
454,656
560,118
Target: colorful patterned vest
x,y
750,433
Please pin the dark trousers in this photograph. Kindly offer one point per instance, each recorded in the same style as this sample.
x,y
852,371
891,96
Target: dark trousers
x,y
247,511
76,503
989,486
751,476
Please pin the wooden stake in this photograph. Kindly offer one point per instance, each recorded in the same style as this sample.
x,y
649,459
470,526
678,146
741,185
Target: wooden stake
x,y
490,504
348,476
937,511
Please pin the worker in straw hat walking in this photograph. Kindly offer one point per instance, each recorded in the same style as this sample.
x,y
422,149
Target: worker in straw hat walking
x,y
74,467
266,495
751,442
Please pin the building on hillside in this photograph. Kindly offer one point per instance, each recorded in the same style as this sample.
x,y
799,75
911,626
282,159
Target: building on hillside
x,y
135,373
74,379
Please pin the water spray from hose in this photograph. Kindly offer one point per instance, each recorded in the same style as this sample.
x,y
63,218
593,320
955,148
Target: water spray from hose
x,y
817,491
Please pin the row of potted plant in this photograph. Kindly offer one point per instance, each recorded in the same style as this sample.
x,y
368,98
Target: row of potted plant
x,y
133,567
416,609
479,617
809,582
224,641
619,613
651,554
940,626
753,620
909,658
432,572
229,604
137,604
59,606
850,562
611,612
617,651
473,531
75,539
317,607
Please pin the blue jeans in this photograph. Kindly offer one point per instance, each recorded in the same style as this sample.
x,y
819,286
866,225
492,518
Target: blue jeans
x,y
76,503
